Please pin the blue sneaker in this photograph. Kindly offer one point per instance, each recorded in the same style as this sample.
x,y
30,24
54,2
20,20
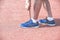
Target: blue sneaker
x,y
47,22
29,24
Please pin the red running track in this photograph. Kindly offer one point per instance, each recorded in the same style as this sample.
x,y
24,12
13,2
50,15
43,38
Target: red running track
x,y
12,13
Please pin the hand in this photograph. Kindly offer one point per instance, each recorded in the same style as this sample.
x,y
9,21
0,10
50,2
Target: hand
x,y
28,4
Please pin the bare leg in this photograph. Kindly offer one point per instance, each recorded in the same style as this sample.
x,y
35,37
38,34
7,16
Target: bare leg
x,y
37,7
48,8
49,20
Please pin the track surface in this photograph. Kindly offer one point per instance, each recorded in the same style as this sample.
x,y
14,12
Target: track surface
x,y
12,13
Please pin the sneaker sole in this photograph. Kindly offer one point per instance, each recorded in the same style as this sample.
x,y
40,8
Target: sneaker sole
x,y
36,27
48,24
28,27
31,27
51,24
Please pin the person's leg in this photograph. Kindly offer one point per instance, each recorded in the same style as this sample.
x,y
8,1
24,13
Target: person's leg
x,y
48,8
37,7
49,20
32,22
